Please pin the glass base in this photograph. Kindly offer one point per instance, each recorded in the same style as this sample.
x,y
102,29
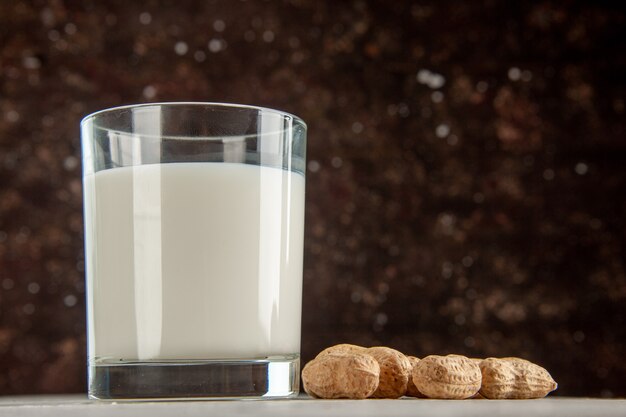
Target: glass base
x,y
270,377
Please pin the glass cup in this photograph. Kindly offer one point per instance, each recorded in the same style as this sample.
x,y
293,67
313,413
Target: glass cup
x,y
194,223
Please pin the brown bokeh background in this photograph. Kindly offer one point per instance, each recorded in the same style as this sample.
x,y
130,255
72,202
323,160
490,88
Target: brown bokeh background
x,y
466,184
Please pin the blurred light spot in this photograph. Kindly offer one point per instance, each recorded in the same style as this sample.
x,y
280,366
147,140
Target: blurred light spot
x,y
467,261
54,35
578,336
215,45
469,341
61,45
548,174
478,198
471,294
70,28
199,56
219,25
436,81
294,42
249,36
423,76
70,163
297,58
257,22
446,270
442,130
70,300
381,319
47,120
459,319
452,140
403,110
482,86
447,220
436,96
357,127
268,36
140,48
28,308
3,236
336,162
526,75
581,168
33,288
462,283
514,74
145,18
313,166
418,280
355,297
181,48
8,284
149,92
12,116
431,79
31,62
47,17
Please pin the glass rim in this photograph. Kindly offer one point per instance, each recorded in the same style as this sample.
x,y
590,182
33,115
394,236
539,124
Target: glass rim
x,y
233,106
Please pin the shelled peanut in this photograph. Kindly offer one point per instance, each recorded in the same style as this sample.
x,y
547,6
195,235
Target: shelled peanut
x,y
351,371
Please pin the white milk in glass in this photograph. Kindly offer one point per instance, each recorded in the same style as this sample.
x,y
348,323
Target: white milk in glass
x,y
194,261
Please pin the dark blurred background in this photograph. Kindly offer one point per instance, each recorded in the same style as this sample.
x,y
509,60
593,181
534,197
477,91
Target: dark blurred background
x,y
466,184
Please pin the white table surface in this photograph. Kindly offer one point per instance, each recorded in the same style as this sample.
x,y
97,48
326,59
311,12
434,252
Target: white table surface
x,y
79,405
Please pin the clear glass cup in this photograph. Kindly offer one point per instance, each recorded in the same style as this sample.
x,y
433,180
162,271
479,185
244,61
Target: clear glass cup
x,y
194,223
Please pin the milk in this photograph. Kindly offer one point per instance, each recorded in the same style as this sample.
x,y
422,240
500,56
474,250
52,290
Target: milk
x,y
193,261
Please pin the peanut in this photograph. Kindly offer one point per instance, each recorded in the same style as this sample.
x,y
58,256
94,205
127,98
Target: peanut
x,y
395,370
514,378
351,371
447,377
341,375
411,389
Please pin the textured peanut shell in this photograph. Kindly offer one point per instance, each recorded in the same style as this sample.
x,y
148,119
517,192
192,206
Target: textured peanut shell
x,y
514,378
447,377
411,389
395,371
341,375
342,348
